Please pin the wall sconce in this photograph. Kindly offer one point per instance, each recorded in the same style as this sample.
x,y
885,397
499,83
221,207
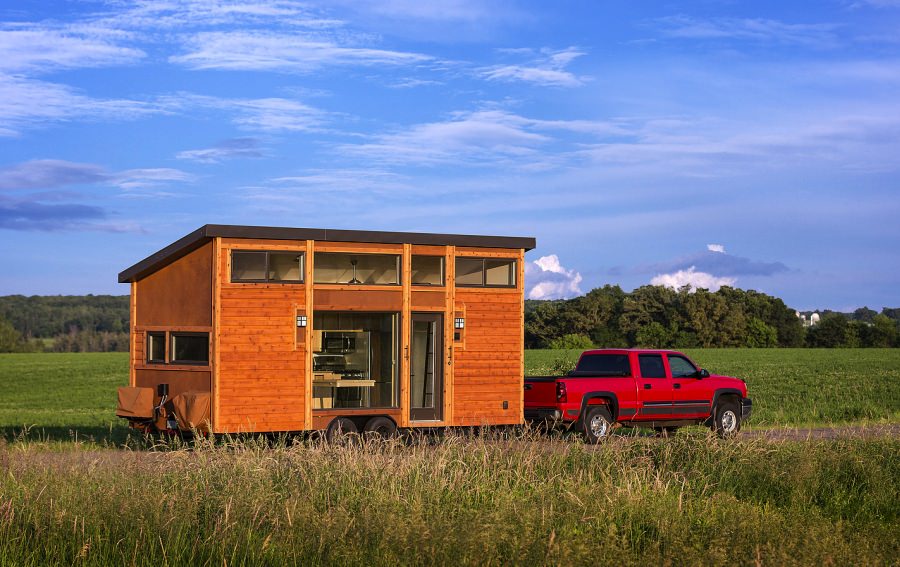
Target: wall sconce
x,y
459,323
301,320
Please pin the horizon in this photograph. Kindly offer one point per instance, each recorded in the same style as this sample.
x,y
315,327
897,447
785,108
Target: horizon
x,y
748,144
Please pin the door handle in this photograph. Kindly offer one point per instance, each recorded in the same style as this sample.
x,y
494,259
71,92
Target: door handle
x,y
648,387
677,386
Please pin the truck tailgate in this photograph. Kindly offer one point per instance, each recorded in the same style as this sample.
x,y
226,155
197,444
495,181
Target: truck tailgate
x,y
540,391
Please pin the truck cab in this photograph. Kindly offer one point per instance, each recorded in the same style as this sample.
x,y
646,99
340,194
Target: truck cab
x,y
660,389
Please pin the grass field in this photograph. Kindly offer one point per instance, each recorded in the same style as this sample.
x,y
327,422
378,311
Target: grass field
x,y
61,395
688,500
526,499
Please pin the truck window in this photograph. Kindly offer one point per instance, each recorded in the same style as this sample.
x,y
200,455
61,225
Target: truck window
x,y
680,366
652,366
603,365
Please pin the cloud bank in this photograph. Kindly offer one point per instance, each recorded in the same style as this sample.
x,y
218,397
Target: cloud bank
x,y
546,278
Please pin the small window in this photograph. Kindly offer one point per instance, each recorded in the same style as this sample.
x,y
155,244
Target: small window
x,y
469,271
485,272
603,365
356,269
190,348
262,266
156,348
285,267
681,366
427,270
652,366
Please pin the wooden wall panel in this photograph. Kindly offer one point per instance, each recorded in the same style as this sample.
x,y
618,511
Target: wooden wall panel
x,y
179,294
488,371
261,371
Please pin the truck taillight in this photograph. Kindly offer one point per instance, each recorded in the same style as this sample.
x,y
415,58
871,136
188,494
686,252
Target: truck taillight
x,y
561,392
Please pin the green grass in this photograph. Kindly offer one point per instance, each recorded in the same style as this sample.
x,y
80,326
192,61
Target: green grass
x,y
688,500
791,387
60,396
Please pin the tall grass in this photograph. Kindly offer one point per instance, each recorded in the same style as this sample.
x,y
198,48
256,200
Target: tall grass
x,y
691,499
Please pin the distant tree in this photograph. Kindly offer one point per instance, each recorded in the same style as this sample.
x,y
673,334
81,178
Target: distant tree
x,y
832,332
891,313
653,335
864,314
883,332
10,339
761,335
572,341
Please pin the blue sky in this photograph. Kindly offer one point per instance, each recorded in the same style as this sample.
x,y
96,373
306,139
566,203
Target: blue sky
x,y
752,144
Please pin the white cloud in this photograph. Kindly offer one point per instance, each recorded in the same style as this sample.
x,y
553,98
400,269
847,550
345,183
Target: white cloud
x,y
149,177
547,70
267,114
719,248
750,29
485,137
27,103
226,149
691,277
295,53
39,50
545,278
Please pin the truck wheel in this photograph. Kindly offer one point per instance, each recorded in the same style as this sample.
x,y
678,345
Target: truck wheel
x,y
728,419
380,427
597,424
339,428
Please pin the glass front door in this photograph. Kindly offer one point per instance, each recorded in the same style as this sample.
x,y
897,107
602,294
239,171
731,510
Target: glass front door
x,y
426,369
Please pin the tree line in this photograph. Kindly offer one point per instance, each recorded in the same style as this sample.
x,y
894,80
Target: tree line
x,y
64,323
649,316
661,317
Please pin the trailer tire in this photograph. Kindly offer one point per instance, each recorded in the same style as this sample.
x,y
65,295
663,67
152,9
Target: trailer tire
x,y
380,426
339,428
597,424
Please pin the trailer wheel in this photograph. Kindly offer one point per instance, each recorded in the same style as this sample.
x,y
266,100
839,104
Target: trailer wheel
x,y
597,424
380,426
338,428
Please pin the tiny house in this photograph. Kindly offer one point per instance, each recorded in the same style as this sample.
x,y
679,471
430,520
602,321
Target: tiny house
x,y
261,329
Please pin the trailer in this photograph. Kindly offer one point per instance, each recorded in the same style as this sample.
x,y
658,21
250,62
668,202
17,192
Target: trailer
x,y
246,329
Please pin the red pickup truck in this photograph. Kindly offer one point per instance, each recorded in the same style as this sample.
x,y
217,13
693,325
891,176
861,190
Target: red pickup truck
x,y
661,389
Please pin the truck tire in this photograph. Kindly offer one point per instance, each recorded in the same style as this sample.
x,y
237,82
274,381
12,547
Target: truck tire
x,y
727,421
597,424
380,426
339,428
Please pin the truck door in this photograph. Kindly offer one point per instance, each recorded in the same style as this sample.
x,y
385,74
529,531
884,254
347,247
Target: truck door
x,y
654,388
692,395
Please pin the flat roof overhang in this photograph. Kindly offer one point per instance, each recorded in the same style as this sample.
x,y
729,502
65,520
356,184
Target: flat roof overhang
x,y
207,232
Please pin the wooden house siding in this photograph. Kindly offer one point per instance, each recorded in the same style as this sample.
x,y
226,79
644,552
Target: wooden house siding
x,y
261,374
260,369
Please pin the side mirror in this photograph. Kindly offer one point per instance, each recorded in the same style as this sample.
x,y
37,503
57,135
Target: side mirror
x,y
703,373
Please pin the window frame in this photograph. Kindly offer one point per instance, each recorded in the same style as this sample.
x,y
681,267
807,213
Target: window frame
x,y
443,261
514,272
602,374
399,262
150,336
171,344
669,358
266,270
662,365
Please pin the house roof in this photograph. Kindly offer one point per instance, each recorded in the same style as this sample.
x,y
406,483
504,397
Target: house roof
x,y
205,233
